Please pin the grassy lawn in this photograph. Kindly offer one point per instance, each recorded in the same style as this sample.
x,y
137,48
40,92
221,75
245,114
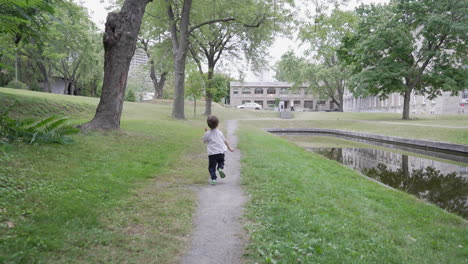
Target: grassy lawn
x,y
307,209
128,196
452,135
123,196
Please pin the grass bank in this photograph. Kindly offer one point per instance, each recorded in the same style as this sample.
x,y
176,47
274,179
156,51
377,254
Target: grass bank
x,y
113,197
410,130
307,209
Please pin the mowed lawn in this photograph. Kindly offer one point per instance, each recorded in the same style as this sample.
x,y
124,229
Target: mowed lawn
x,y
128,196
305,208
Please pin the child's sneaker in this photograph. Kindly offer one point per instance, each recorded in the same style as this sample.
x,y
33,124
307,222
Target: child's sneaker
x,y
221,173
213,182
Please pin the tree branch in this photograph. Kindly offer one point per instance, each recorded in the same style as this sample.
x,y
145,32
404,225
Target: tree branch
x,y
211,22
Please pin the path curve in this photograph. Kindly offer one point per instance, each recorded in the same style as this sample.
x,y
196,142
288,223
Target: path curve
x,y
219,236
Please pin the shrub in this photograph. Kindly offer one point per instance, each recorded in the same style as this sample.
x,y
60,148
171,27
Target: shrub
x,y
130,97
17,85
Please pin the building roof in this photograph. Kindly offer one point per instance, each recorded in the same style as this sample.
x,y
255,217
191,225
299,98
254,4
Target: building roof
x,y
262,84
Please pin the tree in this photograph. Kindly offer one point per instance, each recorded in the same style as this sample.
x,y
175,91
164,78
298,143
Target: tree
x,y
159,63
72,41
155,40
249,28
19,18
195,86
409,47
181,27
119,40
321,68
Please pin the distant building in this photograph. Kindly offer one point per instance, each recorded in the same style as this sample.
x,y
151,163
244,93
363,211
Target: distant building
x,y
266,93
419,104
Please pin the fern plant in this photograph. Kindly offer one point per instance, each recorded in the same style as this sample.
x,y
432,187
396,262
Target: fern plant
x,y
48,130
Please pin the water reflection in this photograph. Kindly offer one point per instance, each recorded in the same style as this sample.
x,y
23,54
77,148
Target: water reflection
x,y
437,182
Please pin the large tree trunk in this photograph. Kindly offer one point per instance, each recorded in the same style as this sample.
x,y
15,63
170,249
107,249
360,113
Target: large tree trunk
x,y
119,46
180,48
406,104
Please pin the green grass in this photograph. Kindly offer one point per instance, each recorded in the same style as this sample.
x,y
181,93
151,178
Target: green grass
x,y
451,135
307,209
123,196
128,196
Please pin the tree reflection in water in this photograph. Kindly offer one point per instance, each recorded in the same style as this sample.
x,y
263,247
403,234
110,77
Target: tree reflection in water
x,y
449,191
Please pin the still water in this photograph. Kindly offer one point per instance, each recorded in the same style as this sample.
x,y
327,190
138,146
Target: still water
x,y
443,184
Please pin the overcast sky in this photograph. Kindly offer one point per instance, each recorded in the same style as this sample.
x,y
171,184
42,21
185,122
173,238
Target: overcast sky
x,y
98,13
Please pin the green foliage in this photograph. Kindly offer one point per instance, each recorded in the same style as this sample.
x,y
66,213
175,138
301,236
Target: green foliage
x,y
409,47
130,96
320,68
22,16
48,130
17,85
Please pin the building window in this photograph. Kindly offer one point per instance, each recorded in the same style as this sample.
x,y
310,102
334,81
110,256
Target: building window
x,y
245,101
245,90
235,91
297,103
271,91
283,91
258,90
309,104
322,102
271,103
260,102
424,100
465,94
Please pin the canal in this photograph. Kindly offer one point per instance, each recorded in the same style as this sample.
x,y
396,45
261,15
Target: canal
x,y
438,178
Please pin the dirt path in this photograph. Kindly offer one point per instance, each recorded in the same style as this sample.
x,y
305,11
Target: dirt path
x,y
219,236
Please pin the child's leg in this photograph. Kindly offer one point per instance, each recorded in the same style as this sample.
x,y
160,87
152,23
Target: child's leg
x,y
212,166
220,161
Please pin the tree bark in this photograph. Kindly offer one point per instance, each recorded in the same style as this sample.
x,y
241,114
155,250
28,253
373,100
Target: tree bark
x,y
180,48
45,75
119,46
209,95
157,85
406,103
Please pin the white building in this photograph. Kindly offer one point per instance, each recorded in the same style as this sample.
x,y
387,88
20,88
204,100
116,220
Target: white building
x,y
266,93
419,104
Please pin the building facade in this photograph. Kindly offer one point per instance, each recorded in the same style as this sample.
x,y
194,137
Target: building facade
x,y
419,104
266,93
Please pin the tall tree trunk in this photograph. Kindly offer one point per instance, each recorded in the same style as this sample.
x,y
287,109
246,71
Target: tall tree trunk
x,y
158,85
209,95
45,75
119,46
406,103
180,48
66,89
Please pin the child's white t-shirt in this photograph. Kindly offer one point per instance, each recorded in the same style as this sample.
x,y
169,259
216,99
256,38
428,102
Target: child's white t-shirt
x,y
215,140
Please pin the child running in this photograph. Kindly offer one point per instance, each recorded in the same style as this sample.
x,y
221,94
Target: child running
x,y
216,146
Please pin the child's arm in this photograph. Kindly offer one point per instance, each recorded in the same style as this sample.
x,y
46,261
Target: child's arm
x,y
227,145
205,136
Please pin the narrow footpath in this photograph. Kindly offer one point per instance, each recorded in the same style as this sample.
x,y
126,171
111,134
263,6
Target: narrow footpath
x,y
219,236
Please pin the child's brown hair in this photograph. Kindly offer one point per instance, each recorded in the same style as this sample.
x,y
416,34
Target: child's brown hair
x,y
212,121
